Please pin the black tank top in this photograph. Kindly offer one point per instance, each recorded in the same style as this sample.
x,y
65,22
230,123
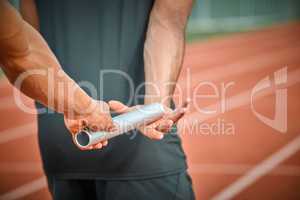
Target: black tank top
x,y
100,43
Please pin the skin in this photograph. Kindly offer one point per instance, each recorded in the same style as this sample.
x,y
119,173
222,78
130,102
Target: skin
x,y
22,49
164,48
163,53
28,11
163,56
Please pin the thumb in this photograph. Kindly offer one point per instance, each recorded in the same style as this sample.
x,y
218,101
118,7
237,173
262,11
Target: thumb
x,y
74,125
118,107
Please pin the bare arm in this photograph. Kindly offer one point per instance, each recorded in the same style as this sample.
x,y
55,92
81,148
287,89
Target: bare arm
x,y
29,13
163,54
22,50
24,53
164,48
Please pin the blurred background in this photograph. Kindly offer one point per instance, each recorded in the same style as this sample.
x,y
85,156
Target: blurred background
x,y
215,17
234,152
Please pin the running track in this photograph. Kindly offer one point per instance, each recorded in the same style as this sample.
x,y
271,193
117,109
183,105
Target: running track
x,y
250,161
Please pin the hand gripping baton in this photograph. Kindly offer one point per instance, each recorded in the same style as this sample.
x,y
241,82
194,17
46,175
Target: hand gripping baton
x,y
124,123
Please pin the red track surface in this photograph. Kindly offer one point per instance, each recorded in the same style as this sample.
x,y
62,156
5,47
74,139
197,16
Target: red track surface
x,y
253,161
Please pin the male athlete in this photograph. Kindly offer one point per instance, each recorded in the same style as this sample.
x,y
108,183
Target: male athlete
x,y
108,56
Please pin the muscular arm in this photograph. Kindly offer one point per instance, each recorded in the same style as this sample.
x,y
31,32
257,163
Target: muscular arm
x,y
23,50
163,54
164,48
24,54
29,13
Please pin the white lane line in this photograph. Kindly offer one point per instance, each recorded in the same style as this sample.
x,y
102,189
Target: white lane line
x,y
21,167
259,170
25,189
238,169
17,132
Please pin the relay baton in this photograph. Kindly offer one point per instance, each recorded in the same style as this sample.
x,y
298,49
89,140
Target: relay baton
x,y
124,123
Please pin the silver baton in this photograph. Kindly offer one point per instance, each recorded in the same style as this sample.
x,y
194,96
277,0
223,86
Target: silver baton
x,y
124,123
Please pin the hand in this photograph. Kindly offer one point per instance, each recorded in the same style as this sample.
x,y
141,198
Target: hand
x,y
158,128
97,119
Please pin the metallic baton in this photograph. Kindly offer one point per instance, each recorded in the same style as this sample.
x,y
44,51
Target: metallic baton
x,y
124,123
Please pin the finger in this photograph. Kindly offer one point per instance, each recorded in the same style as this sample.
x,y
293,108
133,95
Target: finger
x,y
101,123
105,143
109,125
151,133
84,123
85,148
98,146
186,103
179,112
164,126
100,126
118,107
74,125
92,147
176,114
94,127
89,148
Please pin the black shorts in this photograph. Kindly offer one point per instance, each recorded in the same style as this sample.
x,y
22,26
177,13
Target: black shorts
x,y
173,187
